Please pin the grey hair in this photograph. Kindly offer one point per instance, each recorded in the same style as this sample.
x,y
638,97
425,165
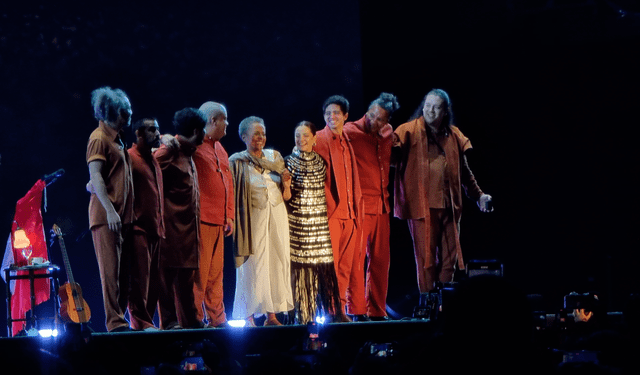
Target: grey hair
x,y
245,124
108,103
211,109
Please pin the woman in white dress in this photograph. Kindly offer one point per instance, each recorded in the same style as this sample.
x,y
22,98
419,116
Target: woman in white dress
x,y
261,235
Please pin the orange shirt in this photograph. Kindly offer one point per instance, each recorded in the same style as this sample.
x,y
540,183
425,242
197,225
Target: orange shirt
x,y
215,183
342,187
105,144
373,158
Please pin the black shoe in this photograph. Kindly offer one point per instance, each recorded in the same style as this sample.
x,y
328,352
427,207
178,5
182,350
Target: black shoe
x,y
121,329
360,318
173,326
379,318
342,318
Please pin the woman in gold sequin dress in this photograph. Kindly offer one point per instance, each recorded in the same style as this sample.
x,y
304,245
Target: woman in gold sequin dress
x,y
315,286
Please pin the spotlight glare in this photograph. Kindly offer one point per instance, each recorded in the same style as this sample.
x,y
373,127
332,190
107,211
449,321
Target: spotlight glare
x,y
48,333
237,323
320,319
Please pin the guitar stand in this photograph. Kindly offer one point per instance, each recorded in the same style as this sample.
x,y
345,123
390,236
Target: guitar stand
x,y
50,272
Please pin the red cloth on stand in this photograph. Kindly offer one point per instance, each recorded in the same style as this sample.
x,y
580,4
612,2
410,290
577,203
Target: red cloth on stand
x,y
28,217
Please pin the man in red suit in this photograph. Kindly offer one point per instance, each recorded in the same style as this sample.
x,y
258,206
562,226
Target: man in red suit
x,y
217,211
344,202
372,139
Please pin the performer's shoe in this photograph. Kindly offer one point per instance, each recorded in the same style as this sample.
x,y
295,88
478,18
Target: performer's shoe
x,y
121,329
221,325
251,322
342,318
360,318
173,326
272,320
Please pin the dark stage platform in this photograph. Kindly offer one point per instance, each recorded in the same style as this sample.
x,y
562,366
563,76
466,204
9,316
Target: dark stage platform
x,y
334,349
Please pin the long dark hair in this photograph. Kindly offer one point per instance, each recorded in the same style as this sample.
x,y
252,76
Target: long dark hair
x,y
448,117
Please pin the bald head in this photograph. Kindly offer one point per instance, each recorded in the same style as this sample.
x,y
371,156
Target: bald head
x,y
212,109
216,116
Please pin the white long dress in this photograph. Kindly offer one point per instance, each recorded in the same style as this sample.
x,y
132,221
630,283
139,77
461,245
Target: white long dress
x,y
263,282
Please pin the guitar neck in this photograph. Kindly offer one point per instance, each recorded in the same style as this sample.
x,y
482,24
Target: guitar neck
x,y
65,257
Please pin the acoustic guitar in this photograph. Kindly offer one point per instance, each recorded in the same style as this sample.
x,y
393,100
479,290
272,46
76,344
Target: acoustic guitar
x,y
73,308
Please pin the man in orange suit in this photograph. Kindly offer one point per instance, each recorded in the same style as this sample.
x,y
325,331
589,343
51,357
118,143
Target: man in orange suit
x,y
217,211
344,202
372,138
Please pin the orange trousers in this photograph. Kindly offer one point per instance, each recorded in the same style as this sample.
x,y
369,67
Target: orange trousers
x,y
374,255
346,241
208,288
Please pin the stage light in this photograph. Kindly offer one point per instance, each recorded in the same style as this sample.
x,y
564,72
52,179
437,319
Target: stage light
x,y
320,319
237,323
48,333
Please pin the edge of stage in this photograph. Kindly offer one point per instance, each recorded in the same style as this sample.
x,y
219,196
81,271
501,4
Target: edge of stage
x,y
139,352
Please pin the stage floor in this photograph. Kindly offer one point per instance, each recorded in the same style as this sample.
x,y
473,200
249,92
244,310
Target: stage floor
x,y
230,350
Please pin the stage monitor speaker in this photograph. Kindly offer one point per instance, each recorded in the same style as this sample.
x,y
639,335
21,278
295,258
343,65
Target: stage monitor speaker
x,y
484,267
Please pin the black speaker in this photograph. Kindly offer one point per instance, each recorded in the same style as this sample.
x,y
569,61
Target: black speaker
x,y
484,267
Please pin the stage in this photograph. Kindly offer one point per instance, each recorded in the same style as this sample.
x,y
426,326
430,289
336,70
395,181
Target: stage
x,y
334,350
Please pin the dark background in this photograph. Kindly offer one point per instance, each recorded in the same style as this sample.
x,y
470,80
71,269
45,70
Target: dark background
x,y
545,90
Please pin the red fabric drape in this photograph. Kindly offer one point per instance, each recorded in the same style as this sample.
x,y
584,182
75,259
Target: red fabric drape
x,y
28,217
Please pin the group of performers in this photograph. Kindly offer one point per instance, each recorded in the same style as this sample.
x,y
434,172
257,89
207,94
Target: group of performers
x,y
310,230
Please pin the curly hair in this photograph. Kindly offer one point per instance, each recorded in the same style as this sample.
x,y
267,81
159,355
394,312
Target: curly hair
x,y
339,100
386,101
187,120
109,103
245,124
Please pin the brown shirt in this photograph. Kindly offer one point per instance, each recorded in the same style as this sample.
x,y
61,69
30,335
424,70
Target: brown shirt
x,y
105,144
147,185
430,171
180,248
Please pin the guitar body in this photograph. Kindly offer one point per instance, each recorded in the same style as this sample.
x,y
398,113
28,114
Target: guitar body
x,y
73,308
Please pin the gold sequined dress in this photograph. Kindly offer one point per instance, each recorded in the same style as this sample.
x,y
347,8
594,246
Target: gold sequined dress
x,y
313,273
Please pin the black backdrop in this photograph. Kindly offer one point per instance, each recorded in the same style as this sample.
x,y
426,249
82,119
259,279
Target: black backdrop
x,y
544,90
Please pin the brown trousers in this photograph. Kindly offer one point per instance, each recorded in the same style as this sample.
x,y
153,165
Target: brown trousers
x,y
176,304
145,280
113,252
436,257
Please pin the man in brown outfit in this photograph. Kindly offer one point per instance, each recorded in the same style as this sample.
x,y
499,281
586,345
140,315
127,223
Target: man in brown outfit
x,y
179,251
431,170
111,204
